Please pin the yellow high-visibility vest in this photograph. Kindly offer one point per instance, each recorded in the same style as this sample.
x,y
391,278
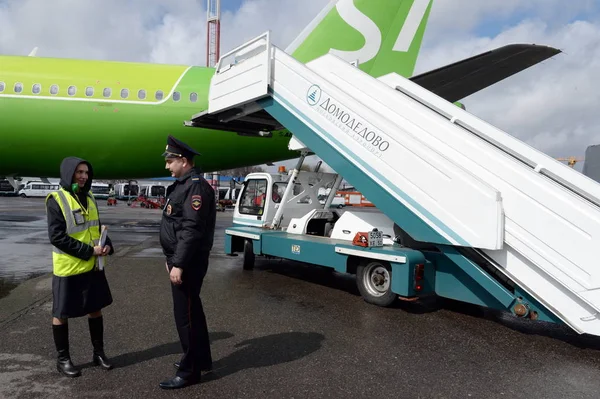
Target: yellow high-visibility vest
x,y
83,226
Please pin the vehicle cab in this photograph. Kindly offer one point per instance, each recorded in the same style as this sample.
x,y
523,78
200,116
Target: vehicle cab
x,y
260,198
305,210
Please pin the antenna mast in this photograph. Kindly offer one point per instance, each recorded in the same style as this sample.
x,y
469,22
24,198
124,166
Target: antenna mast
x,y
213,34
213,45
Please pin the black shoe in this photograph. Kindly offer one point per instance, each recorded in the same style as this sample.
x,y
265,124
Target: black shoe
x,y
102,361
178,382
65,366
205,368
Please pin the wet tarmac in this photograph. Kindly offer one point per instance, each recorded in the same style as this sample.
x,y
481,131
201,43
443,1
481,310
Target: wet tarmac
x,y
283,330
24,245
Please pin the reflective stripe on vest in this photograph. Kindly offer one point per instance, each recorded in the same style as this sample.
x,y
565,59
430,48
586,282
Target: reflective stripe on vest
x,y
82,226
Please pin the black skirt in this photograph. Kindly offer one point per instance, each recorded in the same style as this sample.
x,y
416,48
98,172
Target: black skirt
x,y
78,295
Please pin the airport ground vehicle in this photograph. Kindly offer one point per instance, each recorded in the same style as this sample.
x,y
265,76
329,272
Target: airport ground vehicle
x,y
38,189
7,189
228,196
41,189
100,190
466,211
354,198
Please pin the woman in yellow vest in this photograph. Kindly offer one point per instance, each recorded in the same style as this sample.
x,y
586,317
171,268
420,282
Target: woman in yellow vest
x,y
79,286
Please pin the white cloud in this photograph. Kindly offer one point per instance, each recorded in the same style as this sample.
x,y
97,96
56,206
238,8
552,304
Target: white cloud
x,y
141,30
285,19
551,106
460,17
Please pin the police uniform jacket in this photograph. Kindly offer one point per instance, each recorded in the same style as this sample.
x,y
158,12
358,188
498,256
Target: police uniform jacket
x,y
188,222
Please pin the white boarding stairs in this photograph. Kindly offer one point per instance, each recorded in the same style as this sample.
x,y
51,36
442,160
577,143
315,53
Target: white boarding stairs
x,y
473,185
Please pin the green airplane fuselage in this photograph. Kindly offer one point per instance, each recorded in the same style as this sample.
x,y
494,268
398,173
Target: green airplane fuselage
x,y
52,108
48,111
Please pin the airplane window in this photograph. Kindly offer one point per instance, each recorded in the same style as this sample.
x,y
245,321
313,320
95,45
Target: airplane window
x,y
124,93
36,88
142,94
54,89
18,87
106,92
72,90
159,95
176,96
193,97
89,91
2,86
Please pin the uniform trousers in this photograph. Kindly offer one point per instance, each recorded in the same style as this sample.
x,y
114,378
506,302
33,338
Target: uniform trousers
x,y
191,321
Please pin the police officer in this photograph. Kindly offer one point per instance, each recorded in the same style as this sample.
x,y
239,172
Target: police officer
x,y
186,236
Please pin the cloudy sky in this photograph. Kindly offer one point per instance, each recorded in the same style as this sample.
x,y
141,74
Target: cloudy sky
x,y
553,106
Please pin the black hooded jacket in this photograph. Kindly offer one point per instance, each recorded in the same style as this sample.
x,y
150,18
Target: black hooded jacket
x,y
57,227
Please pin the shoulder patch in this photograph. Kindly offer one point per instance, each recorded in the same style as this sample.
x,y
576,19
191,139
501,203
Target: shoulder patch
x,y
196,202
196,178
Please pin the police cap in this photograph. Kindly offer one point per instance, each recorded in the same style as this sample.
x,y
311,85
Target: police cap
x,y
177,149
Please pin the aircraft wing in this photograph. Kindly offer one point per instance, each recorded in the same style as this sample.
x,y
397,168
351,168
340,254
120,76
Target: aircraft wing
x,y
463,78
452,82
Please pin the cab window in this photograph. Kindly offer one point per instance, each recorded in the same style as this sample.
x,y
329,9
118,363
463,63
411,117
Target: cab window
x,y
253,198
279,189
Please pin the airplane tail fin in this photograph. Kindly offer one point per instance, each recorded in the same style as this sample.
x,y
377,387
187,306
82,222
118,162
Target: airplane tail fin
x,y
384,36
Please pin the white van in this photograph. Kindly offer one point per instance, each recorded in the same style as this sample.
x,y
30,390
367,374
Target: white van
x,y
153,191
38,189
124,191
100,190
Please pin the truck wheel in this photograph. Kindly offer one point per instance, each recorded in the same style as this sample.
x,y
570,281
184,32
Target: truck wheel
x,y
374,281
248,255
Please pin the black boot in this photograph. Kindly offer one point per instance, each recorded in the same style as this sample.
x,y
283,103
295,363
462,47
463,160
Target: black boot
x,y
96,333
61,340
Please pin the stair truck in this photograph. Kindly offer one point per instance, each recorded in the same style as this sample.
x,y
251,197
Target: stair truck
x,y
464,210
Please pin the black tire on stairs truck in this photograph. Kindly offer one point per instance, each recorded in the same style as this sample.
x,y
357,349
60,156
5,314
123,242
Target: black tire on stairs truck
x,y
248,255
374,281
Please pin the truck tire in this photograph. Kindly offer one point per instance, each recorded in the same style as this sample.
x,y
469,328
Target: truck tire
x,y
248,255
374,281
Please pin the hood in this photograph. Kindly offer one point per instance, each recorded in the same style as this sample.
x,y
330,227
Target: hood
x,y
67,170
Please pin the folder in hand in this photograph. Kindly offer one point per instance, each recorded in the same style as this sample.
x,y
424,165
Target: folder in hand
x,y
103,234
